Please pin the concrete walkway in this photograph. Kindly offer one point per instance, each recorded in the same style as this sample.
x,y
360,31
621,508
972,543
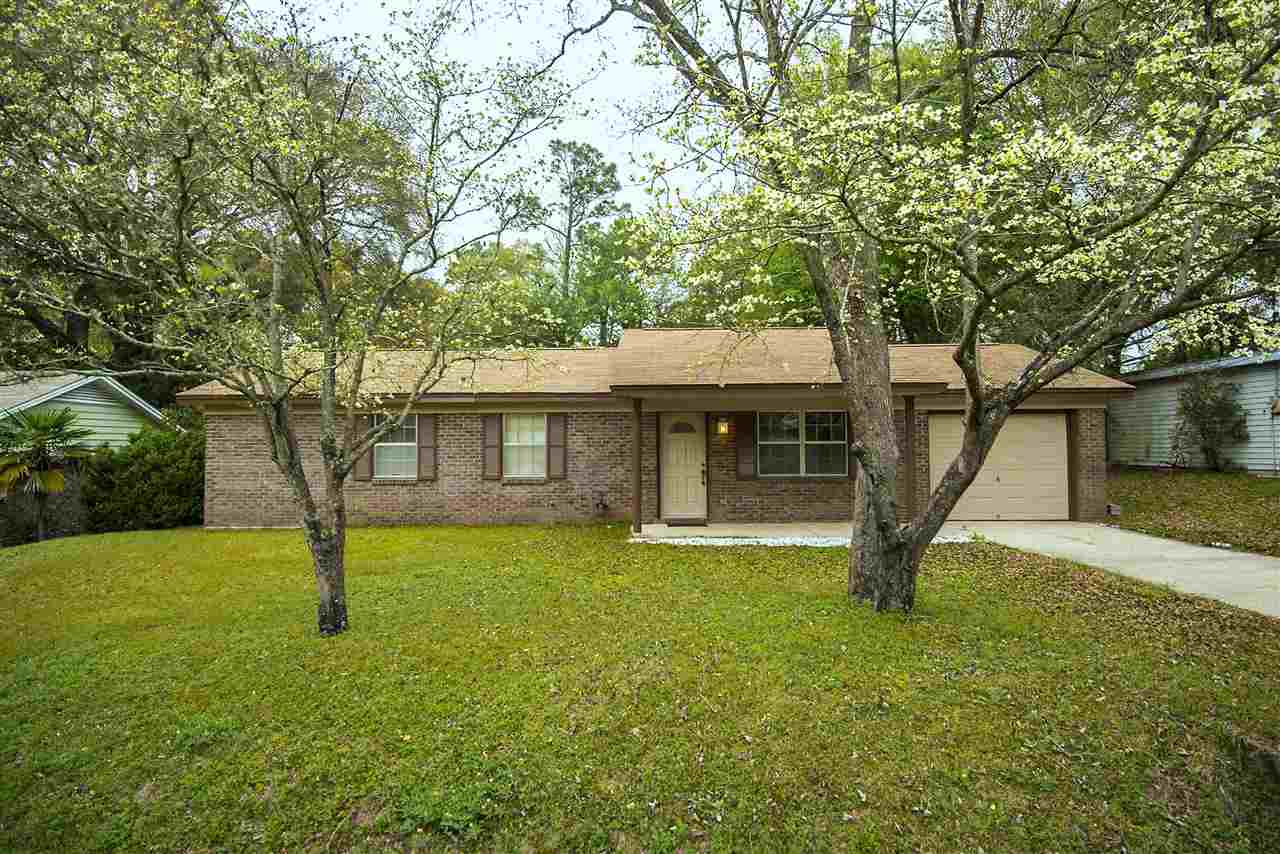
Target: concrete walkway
x,y
1237,578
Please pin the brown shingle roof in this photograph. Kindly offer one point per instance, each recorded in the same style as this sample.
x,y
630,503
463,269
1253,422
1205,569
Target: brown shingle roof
x,y
674,357
650,357
546,371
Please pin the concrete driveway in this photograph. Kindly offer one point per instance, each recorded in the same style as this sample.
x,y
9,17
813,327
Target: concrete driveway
x,y
1238,578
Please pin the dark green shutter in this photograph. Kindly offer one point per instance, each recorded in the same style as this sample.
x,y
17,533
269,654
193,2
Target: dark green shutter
x,y
745,439
364,465
492,447
557,456
426,447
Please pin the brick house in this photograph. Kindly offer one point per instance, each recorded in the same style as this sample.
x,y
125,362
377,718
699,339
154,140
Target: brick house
x,y
730,429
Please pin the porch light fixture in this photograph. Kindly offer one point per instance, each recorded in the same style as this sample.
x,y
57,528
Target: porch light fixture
x,y
722,425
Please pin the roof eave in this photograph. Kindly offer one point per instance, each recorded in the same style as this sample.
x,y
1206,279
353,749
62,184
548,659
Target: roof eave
x,y
1229,363
631,390
1121,389
112,383
47,396
448,397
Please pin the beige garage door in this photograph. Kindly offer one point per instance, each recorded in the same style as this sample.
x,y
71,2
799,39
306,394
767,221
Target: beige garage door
x,y
1025,475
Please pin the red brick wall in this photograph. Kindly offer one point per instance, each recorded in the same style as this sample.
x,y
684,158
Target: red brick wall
x,y
648,468
244,489
923,486
1091,464
770,499
760,499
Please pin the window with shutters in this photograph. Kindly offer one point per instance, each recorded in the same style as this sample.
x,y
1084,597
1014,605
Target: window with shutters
x,y
524,446
802,444
396,456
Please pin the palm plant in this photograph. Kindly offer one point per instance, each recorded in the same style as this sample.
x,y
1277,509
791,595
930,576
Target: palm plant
x,y
37,449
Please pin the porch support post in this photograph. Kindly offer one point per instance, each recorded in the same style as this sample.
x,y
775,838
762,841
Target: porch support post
x,y
637,486
909,455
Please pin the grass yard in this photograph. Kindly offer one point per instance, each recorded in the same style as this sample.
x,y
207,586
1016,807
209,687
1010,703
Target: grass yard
x,y
550,689
1200,507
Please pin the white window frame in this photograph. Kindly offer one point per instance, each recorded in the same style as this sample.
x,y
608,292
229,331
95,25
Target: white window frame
x,y
505,444
802,442
373,462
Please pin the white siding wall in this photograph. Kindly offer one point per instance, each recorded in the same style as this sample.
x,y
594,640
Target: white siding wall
x,y
100,410
1259,386
1138,427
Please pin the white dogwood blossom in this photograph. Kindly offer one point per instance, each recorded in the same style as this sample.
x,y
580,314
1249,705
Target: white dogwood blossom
x,y
242,201
1114,168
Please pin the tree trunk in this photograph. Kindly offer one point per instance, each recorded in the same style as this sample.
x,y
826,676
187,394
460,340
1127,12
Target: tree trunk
x,y
858,533
324,521
882,569
328,554
42,511
328,543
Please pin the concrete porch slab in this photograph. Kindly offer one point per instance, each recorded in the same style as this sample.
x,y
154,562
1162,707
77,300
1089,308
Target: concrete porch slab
x,y
828,534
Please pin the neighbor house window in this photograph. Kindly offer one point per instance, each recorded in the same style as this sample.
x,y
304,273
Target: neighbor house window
x,y
524,446
396,456
812,444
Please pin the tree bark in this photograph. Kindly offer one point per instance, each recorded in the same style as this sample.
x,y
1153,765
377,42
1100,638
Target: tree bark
x,y
42,508
325,528
328,554
882,566
860,513
324,518
888,570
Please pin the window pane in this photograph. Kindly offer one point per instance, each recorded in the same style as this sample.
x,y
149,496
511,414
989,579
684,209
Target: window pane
x,y
524,430
408,432
779,426
779,459
825,459
399,461
524,461
824,427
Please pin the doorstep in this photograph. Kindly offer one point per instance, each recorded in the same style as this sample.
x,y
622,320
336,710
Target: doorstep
x,y
824,534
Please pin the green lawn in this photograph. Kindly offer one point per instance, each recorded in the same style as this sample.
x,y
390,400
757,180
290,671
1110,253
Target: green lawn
x,y
551,689
1200,507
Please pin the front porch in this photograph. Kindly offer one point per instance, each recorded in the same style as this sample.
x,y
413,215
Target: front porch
x,y
696,465
826,534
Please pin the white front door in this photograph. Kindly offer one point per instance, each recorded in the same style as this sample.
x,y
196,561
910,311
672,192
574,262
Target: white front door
x,y
684,465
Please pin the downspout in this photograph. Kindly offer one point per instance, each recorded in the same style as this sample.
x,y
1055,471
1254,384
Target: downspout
x,y
1275,440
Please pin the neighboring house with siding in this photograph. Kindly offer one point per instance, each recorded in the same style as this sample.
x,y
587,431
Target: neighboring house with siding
x,y
1140,427
101,404
688,426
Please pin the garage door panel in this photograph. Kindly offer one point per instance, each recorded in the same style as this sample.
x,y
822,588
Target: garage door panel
x,y
1025,475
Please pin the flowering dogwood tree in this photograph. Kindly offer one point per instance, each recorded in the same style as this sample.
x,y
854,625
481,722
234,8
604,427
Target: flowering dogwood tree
x,y
250,204
1123,158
